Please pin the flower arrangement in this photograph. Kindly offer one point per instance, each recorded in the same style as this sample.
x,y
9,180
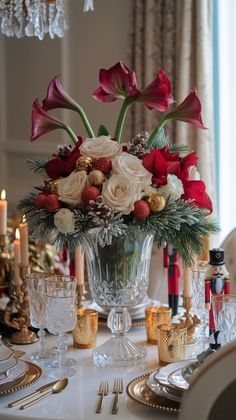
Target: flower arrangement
x,y
102,186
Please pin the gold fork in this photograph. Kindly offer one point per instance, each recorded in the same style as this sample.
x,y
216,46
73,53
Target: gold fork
x,y
103,390
117,389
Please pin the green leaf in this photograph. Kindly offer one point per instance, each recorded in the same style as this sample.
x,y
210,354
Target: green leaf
x,y
102,131
160,140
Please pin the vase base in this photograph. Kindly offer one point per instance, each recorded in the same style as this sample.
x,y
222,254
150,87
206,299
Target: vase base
x,y
118,350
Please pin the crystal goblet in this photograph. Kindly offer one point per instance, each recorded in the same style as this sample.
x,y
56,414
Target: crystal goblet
x,y
37,301
61,318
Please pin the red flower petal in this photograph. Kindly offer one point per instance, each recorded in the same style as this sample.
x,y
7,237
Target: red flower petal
x,y
196,190
42,122
116,82
55,168
57,97
189,110
157,95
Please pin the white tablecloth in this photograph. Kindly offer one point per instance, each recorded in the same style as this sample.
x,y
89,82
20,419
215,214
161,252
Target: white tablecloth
x,y
78,400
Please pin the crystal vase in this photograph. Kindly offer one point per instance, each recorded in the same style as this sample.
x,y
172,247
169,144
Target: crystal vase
x,y
118,276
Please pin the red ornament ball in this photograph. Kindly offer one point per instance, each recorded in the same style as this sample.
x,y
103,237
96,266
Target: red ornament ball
x,y
89,193
141,209
39,201
52,203
103,164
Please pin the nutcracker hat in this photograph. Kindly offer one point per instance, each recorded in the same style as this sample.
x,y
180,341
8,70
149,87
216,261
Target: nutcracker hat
x,y
216,256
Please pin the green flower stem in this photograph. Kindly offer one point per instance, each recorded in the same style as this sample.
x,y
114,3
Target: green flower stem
x,y
85,121
71,133
155,132
121,119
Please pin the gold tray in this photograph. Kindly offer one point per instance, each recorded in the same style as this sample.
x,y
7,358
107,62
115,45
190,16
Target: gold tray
x,y
139,392
32,375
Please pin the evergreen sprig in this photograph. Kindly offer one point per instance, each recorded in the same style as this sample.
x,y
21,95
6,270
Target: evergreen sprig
x,y
37,164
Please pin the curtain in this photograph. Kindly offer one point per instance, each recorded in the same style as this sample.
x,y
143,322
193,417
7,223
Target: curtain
x,y
176,35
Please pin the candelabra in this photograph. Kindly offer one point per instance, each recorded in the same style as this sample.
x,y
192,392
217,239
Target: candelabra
x,y
5,262
21,322
188,320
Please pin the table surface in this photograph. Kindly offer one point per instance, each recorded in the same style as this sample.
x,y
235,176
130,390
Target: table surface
x,y
78,400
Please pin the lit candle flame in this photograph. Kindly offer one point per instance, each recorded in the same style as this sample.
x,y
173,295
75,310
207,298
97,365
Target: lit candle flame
x,y
23,219
3,195
17,234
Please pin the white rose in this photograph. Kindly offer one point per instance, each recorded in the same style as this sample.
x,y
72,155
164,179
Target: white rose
x,y
131,166
193,174
120,193
174,188
64,221
150,191
101,146
71,187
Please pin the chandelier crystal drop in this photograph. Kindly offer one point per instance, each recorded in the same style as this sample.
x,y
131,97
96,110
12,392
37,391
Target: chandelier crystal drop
x,y
19,18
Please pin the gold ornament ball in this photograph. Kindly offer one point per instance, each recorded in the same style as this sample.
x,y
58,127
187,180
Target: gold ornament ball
x,y
96,177
156,202
84,163
53,186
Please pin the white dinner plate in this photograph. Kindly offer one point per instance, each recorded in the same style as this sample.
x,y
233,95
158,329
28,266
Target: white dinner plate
x,y
176,380
161,376
18,371
162,390
5,352
6,366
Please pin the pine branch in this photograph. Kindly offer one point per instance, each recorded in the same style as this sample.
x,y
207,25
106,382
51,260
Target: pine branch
x,y
181,148
37,164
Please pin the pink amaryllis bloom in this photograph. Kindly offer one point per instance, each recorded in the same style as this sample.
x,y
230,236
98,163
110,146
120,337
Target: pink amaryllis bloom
x,y
57,97
157,95
116,82
42,122
189,110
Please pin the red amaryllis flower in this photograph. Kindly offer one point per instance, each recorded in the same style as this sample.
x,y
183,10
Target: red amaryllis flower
x,y
188,160
116,82
157,95
63,166
42,122
196,190
57,97
160,166
188,111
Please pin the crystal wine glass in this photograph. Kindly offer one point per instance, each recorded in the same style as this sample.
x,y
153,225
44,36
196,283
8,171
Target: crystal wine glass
x,y
37,301
61,318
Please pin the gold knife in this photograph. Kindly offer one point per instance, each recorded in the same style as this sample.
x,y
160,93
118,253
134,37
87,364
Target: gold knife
x,y
43,388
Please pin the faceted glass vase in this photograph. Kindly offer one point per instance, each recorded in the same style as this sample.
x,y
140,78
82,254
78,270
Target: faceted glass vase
x,y
118,276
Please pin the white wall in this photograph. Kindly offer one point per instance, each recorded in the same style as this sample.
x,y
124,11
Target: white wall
x,y
95,39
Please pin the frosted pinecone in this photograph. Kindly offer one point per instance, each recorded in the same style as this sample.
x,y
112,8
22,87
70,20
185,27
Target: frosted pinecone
x,y
63,150
99,212
138,146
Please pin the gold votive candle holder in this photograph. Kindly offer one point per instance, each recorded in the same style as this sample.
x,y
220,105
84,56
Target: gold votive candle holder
x,y
85,330
154,316
172,340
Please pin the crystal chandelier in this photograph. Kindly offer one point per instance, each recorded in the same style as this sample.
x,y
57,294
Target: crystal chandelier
x,y
36,17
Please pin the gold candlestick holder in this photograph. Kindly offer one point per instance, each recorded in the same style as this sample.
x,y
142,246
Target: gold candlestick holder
x,y
22,321
188,320
5,263
80,295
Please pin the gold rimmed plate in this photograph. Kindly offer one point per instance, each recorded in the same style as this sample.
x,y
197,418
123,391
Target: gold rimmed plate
x,y
32,375
139,392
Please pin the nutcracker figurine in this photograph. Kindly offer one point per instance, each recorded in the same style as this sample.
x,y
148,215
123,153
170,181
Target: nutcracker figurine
x,y
171,258
217,281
